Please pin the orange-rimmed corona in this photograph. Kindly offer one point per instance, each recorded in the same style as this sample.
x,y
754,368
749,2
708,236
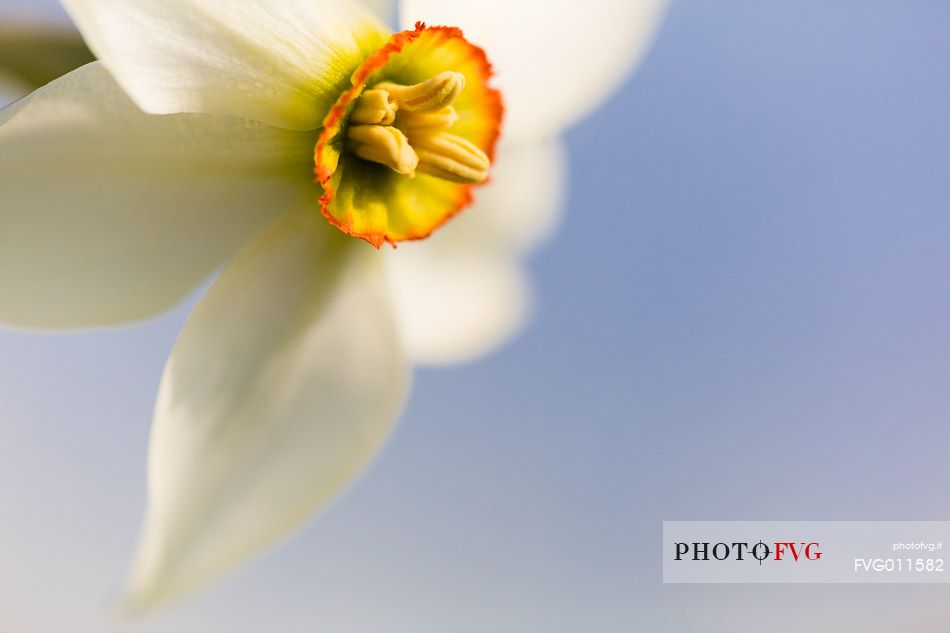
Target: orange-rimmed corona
x,y
401,149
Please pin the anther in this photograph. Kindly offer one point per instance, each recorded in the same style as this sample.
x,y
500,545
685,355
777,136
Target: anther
x,y
385,145
431,94
374,107
450,157
412,122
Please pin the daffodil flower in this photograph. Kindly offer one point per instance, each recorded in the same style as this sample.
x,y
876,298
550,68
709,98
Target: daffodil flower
x,y
285,141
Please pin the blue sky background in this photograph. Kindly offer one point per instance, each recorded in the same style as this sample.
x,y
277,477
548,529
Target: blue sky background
x,y
745,316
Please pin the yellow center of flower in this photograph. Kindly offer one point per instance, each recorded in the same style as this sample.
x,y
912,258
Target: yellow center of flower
x,y
406,128
402,148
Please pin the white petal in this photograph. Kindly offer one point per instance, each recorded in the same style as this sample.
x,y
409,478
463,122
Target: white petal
x,y
455,302
109,215
522,205
556,59
284,384
283,63
385,10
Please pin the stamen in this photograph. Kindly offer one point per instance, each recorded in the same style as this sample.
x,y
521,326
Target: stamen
x,y
374,107
385,145
431,94
406,129
441,119
450,157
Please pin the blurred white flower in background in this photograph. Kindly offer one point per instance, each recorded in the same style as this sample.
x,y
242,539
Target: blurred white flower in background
x,y
290,374
11,88
35,51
